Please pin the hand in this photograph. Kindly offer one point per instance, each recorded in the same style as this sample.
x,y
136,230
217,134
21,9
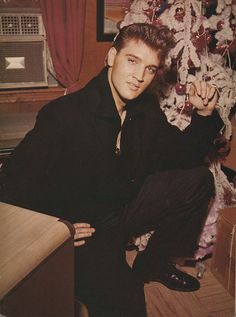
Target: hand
x,y
203,96
82,230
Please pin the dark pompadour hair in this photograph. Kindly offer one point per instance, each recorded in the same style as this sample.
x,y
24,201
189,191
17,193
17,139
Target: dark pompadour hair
x,y
159,38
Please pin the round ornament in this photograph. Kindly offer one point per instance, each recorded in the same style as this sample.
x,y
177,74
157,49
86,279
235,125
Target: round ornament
x,y
180,89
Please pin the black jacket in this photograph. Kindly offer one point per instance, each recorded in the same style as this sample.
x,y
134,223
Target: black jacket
x,y
67,166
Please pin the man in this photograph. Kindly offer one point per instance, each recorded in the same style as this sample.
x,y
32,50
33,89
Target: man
x,y
107,156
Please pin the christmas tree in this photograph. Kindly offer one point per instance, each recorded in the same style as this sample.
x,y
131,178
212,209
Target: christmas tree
x,y
205,49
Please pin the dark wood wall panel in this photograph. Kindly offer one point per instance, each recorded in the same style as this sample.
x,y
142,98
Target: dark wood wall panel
x,y
94,52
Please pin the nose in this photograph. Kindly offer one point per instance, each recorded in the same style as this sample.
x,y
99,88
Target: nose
x,y
139,74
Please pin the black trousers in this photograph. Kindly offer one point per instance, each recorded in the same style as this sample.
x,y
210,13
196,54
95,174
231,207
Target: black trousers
x,y
174,204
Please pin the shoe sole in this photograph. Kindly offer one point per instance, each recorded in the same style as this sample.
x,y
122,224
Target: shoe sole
x,y
174,288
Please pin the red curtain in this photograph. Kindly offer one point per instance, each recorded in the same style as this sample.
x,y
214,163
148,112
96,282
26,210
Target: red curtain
x,y
64,23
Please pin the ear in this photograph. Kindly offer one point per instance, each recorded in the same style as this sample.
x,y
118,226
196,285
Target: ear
x,y
111,56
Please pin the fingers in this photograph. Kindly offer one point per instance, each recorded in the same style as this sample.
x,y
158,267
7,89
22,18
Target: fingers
x,y
212,92
83,234
82,230
81,225
79,243
200,88
203,89
203,96
191,90
214,99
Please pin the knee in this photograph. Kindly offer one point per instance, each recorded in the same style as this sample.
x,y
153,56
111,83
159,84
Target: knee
x,y
203,180
206,176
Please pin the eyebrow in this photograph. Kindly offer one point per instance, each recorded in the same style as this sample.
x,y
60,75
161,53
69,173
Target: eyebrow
x,y
135,56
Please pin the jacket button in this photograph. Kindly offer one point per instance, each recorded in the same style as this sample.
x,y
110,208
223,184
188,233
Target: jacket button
x,y
132,180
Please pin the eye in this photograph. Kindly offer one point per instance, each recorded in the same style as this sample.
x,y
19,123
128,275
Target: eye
x,y
131,60
152,70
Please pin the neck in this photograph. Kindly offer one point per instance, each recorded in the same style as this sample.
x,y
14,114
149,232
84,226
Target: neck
x,y
121,109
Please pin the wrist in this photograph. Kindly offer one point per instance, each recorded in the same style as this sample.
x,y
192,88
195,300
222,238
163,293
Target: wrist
x,y
204,112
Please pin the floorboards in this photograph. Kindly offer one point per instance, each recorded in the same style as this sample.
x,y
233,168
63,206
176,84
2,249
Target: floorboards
x,y
211,300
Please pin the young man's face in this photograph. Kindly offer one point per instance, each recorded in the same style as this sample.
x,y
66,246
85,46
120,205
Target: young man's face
x,y
131,70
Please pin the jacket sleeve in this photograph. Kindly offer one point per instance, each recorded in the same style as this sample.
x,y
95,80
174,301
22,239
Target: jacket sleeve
x,y
188,148
24,177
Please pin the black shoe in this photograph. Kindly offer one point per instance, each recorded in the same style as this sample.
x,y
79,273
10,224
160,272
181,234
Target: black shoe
x,y
169,276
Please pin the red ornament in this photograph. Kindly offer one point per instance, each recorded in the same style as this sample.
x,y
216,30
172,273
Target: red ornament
x,y
188,107
199,42
185,108
179,14
201,39
180,89
157,22
220,25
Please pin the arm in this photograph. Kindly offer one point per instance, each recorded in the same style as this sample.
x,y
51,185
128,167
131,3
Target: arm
x,y
188,148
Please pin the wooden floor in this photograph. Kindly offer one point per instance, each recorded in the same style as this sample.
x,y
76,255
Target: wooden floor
x,y
212,300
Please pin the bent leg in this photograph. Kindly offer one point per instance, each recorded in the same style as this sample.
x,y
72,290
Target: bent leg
x,y
174,204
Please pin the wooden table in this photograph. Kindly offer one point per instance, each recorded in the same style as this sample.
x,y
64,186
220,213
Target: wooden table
x,y
37,264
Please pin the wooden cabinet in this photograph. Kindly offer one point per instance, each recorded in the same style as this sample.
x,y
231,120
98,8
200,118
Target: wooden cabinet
x,y
37,264
27,100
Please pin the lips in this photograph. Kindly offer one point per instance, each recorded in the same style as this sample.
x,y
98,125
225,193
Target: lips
x,y
133,86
